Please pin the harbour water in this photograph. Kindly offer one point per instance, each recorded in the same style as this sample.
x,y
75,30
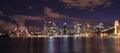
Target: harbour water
x,y
60,45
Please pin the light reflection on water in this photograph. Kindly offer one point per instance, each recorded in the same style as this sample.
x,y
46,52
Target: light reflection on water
x,y
60,45
51,45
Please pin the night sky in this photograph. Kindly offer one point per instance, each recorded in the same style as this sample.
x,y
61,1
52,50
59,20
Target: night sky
x,y
33,13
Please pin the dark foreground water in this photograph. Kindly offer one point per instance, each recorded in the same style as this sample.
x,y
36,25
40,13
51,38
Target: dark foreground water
x,y
60,45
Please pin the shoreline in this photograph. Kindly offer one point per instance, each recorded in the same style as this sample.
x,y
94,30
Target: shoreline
x,y
62,36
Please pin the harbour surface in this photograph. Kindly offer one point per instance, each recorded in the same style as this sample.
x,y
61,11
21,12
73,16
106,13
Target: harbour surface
x,y
60,45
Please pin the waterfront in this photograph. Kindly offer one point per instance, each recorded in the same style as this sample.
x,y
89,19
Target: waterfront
x,y
60,45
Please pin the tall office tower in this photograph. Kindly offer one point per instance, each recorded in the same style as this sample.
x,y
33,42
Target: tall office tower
x,y
45,28
51,28
65,29
116,25
77,28
51,24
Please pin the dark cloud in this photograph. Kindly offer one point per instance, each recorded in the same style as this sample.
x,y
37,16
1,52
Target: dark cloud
x,y
33,28
21,19
6,26
1,13
30,7
51,13
83,4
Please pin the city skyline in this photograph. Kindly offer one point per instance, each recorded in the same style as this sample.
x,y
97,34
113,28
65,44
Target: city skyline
x,y
33,13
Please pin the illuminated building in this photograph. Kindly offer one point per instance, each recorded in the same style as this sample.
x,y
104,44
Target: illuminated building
x,y
116,25
77,28
51,28
45,28
87,30
20,31
65,29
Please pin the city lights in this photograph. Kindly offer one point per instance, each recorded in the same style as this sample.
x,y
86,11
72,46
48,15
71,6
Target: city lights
x,y
78,30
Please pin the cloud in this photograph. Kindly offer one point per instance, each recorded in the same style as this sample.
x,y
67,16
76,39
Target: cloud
x,y
21,19
51,13
1,13
30,7
83,4
6,26
33,28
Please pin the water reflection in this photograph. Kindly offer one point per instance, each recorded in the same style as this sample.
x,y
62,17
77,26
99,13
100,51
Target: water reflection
x,y
51,45
60,45
116,45
102,48
77,45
